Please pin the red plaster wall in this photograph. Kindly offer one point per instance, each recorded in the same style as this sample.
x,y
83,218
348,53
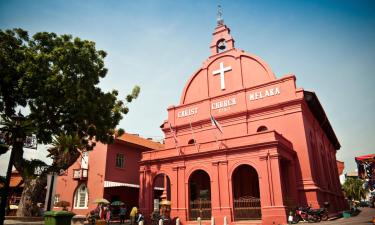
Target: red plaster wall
x,y
66,185
292,169
128,174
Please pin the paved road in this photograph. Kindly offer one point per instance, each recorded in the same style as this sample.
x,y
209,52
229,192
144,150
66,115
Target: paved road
x,y
364,218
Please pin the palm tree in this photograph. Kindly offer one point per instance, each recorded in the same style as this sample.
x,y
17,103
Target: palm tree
x,y
353,189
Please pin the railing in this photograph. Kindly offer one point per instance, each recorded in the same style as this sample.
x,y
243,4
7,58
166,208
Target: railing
x,y
247,208
200,208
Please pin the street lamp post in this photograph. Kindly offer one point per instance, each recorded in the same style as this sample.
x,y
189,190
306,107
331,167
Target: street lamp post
x,y
17,143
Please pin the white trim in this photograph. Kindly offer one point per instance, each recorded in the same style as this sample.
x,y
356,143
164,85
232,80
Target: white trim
x,y
77,196
108,184
119,184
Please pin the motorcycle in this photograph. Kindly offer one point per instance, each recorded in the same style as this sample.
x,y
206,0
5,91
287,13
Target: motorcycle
x,y
305,214
321,213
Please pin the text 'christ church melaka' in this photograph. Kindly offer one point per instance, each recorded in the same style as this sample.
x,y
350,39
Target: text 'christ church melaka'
x,y
275,148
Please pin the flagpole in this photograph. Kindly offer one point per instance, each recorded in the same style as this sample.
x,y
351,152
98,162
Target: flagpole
x,y
178,150
213,124
174,138
217,141
192,134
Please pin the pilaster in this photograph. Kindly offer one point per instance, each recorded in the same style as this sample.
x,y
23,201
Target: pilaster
x,y
179,194
220,185
273,209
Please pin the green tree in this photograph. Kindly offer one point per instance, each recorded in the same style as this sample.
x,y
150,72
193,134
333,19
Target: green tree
x,y
55,78
353,189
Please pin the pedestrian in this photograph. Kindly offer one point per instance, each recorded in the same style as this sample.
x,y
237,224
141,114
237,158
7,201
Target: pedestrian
x,y
92,216
101,211
122,214
133,214
140,218
40,209
108,215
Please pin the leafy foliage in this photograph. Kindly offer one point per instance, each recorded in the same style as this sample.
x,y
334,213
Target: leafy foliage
x,y
12,58
353,189
56,78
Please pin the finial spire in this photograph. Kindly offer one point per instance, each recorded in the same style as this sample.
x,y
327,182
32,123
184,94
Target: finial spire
x,y
220,20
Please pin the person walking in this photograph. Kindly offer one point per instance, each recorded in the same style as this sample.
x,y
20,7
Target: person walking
x,y
101,211
108,215
133,214
122,214
140,219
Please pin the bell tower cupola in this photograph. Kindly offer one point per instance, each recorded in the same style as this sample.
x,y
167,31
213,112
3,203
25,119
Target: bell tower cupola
x,y
221,40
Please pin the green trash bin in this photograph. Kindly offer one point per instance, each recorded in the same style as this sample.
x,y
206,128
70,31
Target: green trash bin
x,y
346,214
58,217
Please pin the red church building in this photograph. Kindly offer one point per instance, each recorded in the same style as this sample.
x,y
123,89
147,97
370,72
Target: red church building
x,y
242,145
108,171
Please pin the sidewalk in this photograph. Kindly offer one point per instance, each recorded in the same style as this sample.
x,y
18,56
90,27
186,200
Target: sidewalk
x,y
364,218
20,222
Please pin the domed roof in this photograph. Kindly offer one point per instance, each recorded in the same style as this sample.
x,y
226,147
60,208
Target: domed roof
x,y
227,70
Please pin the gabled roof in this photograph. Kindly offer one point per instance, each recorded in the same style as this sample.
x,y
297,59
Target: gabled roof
x,y
318,111
139,141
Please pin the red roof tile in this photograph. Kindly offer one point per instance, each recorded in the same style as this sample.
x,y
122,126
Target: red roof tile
x,y
135,139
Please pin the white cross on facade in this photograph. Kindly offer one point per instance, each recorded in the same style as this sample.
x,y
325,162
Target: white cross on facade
x,y
221,71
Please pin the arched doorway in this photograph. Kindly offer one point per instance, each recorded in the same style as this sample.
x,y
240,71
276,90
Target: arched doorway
x,y
160,181
246,196
199,195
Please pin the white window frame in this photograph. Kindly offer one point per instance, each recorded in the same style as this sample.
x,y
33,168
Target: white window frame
x,y
77,196
85,160
123,160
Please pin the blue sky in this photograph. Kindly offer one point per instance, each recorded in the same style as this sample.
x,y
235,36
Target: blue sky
x,y
328,45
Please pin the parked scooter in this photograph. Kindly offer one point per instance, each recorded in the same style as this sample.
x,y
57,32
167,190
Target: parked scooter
x,y
310,215
324,214
305,214
321,214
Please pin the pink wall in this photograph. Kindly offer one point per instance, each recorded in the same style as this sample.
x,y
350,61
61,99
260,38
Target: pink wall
x,y
102,167
128,174
291,170
66,185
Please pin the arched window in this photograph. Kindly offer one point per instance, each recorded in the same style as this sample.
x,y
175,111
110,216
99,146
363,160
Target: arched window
x,y
191,141
81,197
262,128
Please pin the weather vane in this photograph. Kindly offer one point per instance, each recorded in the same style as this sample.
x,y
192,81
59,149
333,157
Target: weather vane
x,y
219,19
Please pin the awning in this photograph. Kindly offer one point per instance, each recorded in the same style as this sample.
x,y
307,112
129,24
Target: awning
x,y
108,184
366,158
